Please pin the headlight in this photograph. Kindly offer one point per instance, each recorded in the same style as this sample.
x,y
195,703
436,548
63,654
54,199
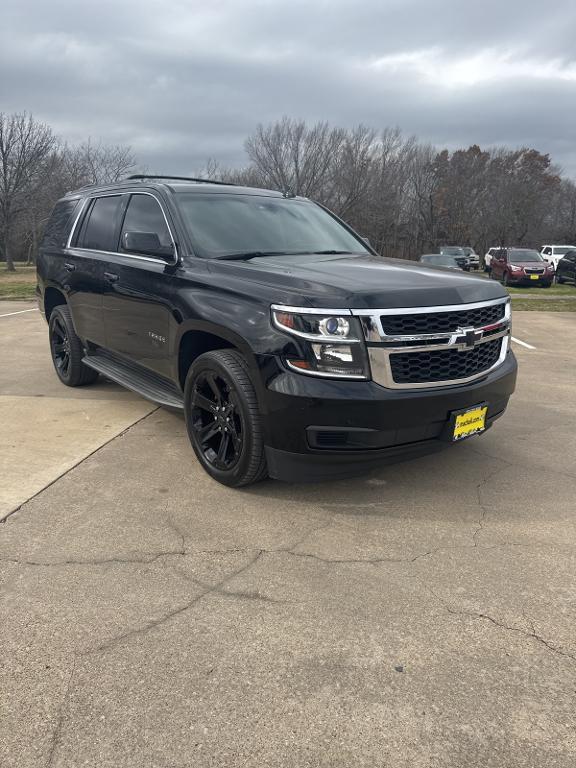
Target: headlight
x,y
332,344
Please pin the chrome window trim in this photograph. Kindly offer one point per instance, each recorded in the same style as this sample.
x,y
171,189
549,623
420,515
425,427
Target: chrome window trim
x,y
88,200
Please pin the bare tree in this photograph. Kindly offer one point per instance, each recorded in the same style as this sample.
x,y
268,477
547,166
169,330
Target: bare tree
x,y
98,163
290,156
25,146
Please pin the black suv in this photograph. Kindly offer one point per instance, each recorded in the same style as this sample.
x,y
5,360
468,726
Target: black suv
x,y
566,269
294,350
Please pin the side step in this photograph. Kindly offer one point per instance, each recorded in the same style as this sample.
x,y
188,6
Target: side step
x,y
146,383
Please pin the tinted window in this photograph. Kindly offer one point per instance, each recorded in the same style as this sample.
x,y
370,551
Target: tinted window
x,y
99,230
520,256
58,227
547,251
222,224
145,215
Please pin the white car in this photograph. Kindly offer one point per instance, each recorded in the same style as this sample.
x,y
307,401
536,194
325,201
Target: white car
x,y
488,257
553,253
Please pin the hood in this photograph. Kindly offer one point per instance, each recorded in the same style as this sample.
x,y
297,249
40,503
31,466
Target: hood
x,y
362,282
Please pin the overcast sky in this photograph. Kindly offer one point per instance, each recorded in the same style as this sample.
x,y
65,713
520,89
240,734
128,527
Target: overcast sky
x,y
182,80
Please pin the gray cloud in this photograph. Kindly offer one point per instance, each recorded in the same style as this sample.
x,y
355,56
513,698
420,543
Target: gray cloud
x,y
182,81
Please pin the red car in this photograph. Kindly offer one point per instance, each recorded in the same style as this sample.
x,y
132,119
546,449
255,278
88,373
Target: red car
x,y
521,266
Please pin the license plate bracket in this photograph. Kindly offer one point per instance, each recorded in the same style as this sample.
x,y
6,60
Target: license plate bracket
x,y
468,422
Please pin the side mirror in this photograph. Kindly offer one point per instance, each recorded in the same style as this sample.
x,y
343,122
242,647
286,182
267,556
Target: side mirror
x,y
147,243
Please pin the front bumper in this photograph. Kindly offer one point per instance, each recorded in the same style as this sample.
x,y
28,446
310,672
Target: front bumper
x,y
527,280
319,428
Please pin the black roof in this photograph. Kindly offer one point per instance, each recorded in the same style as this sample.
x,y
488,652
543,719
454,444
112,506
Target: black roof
x,y
176,184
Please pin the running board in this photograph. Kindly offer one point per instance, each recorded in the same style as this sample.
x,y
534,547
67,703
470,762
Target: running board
x,y
146,383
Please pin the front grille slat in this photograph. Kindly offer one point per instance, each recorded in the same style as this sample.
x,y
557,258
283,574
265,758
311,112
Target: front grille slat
x,y
443,365
441,322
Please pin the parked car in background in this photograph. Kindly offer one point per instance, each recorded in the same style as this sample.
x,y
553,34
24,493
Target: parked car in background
x,y
488,257
553,253
566,269
458,253
472,257
521,266
440,260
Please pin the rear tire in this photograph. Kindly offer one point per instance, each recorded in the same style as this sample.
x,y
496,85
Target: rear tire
x,y
67,350
223,419
559,279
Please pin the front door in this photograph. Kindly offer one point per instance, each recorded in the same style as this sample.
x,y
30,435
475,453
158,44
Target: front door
x,y
137,310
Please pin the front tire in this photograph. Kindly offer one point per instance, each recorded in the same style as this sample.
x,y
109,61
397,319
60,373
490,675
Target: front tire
x,y
223,419
67,350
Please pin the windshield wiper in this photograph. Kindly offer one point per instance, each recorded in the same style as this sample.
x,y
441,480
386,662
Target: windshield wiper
x,y
251,255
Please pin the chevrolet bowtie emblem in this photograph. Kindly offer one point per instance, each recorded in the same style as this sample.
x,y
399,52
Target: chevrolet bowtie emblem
x,y
467,338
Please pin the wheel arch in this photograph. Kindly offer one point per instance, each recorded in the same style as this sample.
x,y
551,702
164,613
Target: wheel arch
x,y
53,297
197,338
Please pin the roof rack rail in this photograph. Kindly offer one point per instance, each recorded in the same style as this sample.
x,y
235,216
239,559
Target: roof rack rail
x,y
143,176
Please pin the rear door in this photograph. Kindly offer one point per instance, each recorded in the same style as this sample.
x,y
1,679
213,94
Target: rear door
x,y
85,262
138,311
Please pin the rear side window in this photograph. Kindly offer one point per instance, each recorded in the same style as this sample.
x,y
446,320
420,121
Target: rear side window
x,y
145,215
59,224
99,228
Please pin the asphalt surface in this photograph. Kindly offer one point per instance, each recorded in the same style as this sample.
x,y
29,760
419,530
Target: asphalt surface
x,y
423,615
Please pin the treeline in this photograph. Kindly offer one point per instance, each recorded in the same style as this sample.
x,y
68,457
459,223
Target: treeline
x,y
408,197
36,168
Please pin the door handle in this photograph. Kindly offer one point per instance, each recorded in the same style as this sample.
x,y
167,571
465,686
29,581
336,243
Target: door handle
x,y
111,277
69,267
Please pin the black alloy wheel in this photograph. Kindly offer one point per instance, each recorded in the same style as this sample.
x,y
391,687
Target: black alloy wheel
x,y
223,419
60,343
217,420
67,350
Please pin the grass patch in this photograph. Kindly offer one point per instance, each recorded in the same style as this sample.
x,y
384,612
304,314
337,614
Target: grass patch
x,y
18,285
554,290
543,305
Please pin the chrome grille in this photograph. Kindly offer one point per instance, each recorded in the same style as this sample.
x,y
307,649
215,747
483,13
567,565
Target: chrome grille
x,y
443,365
441,322
436,346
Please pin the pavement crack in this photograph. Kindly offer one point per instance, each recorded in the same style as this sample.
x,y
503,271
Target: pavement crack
x,y
532,634
175,612
143,559
54,743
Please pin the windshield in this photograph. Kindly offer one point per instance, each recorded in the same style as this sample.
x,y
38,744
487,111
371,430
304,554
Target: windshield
x,y
440,259
452,250
524,256
222,225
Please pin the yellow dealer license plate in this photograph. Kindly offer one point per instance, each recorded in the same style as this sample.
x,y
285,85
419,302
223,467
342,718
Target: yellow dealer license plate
x,y
534,277
470,422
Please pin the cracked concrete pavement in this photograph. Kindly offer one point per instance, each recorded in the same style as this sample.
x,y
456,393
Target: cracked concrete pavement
x,y
422,615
